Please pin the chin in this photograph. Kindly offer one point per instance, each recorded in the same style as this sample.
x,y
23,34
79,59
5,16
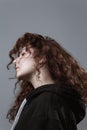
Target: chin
x,y
22,76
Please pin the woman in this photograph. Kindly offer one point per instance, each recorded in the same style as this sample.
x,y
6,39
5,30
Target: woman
x,y
53,86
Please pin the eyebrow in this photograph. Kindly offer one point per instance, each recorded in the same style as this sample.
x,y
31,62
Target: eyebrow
x,y
21,50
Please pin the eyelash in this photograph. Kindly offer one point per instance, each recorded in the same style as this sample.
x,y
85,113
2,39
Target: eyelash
x,y
23,54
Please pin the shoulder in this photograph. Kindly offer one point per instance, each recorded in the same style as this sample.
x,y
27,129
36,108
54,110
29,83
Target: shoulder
x,y
45,104
49,98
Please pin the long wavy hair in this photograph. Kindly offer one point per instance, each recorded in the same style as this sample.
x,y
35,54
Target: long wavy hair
x,y
62,66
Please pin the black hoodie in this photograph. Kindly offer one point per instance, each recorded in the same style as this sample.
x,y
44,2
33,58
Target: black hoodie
x,y
52,107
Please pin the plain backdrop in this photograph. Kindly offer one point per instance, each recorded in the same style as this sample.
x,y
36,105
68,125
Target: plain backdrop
x,y
64,20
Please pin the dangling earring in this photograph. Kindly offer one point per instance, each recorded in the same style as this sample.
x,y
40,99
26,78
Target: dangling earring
x,y
38,75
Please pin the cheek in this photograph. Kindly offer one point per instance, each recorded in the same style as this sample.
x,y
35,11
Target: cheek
x,y
28,65
27,68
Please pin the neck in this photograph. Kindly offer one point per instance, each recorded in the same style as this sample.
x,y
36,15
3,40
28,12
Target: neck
x,y
45,78
40,83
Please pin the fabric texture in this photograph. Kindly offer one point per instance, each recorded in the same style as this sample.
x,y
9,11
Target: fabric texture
x,y
18,114
51,107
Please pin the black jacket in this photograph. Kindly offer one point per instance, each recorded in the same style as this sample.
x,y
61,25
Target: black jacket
x,y
52,107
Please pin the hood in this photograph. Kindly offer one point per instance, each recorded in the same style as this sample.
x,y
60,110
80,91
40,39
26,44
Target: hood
x,y
69,95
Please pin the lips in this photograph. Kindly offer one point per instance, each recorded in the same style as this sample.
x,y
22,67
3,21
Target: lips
x,y
17,68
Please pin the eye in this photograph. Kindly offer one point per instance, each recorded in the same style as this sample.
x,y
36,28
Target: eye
x,y
23,54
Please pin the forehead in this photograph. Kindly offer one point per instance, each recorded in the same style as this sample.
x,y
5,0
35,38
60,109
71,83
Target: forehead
x,y
25,49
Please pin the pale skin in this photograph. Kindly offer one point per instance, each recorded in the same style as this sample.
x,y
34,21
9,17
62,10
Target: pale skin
x,y
25,69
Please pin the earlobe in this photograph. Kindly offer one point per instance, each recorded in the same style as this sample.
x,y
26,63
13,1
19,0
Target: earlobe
x,y
43,60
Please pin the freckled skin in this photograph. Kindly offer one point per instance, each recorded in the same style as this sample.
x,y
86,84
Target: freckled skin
x,y
25,63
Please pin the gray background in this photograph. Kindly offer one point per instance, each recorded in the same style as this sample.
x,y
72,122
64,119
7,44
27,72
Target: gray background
x,y
64,20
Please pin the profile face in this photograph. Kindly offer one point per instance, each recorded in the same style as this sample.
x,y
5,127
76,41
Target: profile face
x,y
25,64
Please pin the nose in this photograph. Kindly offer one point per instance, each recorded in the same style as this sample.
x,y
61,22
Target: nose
x,y
15,61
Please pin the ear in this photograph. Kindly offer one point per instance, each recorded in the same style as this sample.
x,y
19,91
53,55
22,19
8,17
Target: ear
x,y
43,60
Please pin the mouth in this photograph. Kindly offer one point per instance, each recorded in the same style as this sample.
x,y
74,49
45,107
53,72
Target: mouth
x,y
17,68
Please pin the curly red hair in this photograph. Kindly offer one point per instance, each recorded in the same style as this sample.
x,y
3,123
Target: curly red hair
x,y
62,66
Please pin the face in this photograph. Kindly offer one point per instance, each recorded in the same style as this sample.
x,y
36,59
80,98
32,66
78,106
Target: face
x,y
25,64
